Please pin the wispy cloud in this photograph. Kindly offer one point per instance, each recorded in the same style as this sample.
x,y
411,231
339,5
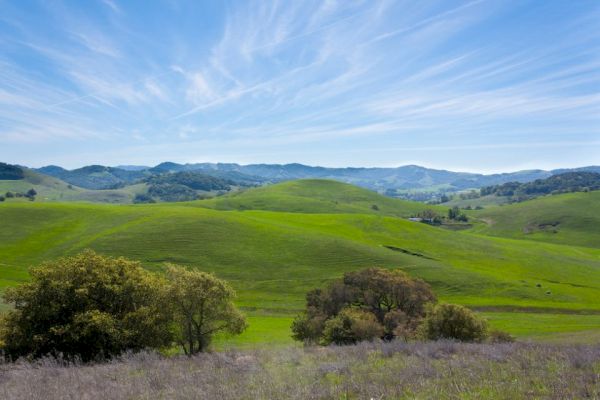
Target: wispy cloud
x,y
272,75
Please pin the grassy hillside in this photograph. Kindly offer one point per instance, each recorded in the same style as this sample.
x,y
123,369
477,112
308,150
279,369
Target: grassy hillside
x,y
316,196
572,218
272,258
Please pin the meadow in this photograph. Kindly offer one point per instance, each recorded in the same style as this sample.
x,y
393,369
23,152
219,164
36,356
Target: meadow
x,y
275,243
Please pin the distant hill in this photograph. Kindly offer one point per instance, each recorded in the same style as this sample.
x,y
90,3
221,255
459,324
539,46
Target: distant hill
x,y
379,179
576,181
410,182
132,167
100,177
49,188
94,176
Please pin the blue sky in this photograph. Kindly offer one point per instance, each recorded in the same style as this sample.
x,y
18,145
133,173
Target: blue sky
x,y
480,85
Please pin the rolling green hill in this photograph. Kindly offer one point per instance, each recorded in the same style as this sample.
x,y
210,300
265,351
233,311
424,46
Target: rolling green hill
x,y
273,257
571,218
316,196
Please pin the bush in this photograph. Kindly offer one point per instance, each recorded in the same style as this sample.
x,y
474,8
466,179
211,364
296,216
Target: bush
x,y
497,336
351,326
88,307
395,301
452,321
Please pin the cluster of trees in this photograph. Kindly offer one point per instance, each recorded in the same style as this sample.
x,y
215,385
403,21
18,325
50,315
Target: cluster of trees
x,y
193,180
93,307
386,304
172,192
455,214
11,172
30,194
561,183
429,216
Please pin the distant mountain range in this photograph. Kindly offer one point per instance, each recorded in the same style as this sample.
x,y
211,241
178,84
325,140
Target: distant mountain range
x,y
391,181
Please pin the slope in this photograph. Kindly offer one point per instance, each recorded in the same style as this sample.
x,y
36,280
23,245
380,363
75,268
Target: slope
x,y
571,218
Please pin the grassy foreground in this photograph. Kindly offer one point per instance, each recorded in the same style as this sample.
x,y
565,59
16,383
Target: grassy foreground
x,y
272,258
396,370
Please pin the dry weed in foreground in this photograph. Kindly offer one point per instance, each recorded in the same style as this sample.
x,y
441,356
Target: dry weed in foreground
x,y
440,370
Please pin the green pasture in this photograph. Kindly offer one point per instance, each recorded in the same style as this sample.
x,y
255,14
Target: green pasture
x,y
273,258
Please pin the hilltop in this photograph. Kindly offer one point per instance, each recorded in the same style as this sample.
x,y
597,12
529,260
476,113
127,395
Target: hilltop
x,y
316,196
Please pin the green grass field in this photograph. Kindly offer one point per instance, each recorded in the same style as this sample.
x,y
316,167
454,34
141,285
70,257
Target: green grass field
x,y
273,257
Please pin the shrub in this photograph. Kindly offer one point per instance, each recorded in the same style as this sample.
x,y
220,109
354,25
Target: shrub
x,y
497,336
88,307
351,326
452,321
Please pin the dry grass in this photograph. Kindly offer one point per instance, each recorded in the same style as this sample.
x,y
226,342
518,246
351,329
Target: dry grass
x,y
437,370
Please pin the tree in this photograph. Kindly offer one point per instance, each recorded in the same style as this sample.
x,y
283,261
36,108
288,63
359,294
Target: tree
x,y
1,199
202,305
87,306
31,193
395,301
453,212
9,195
452,321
